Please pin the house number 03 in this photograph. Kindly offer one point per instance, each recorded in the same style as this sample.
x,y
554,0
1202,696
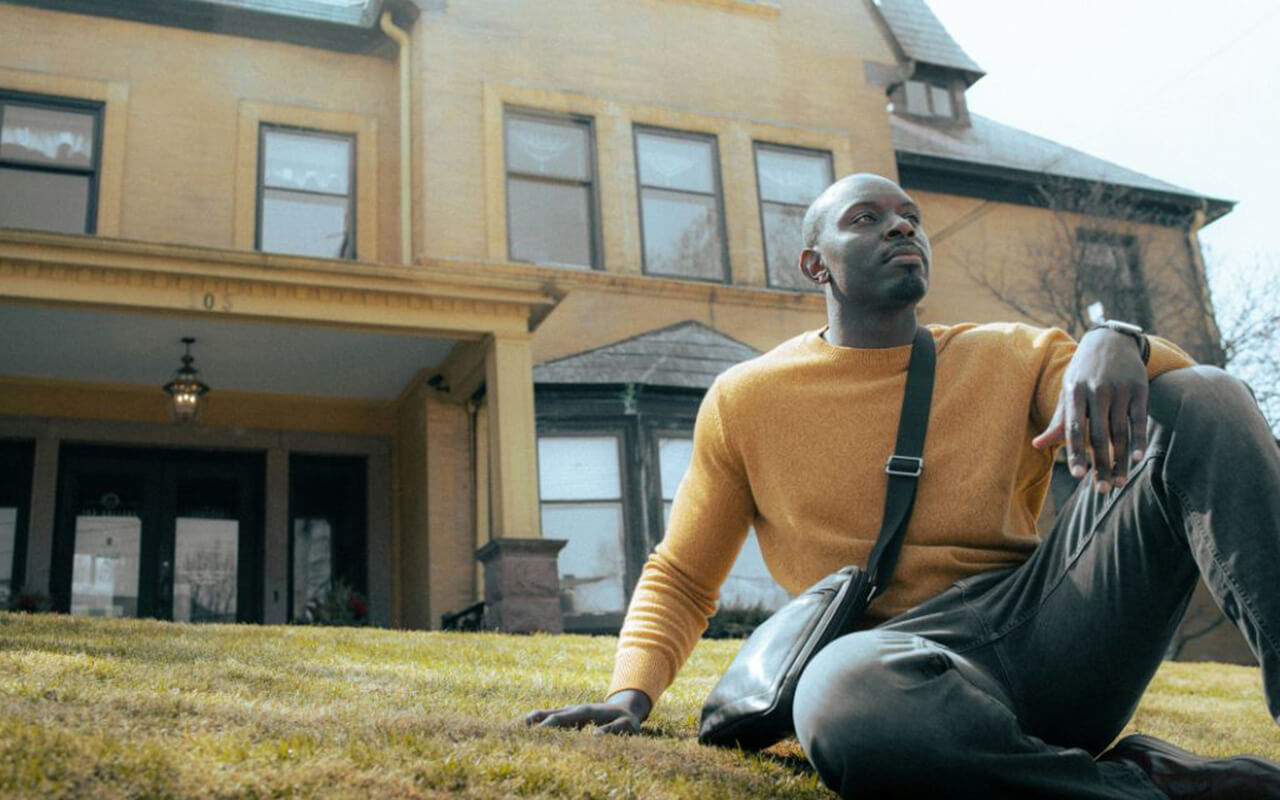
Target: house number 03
x,y
213,301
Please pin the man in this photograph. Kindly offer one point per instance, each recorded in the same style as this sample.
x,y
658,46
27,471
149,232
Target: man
x,y
995,665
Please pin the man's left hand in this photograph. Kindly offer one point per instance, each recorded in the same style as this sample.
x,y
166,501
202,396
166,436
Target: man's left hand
x,y
1104,390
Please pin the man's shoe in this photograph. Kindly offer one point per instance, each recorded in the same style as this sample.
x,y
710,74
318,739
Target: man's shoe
x,y
1181,774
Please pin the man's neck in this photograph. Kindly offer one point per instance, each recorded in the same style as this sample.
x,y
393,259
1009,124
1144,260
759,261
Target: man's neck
x,y
871,330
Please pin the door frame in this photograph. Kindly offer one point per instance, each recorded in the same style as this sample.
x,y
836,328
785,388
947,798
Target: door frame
x,y
158,470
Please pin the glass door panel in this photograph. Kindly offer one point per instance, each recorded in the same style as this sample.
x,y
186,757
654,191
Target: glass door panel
x,y
104,570
206,545
312,570
205,553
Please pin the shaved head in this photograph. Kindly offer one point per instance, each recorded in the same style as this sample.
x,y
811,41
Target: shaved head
x,y
816,215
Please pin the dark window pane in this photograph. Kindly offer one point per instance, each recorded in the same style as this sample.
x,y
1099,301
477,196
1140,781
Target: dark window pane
x,y
682,235
675,162
782,245
548,147
941,101
550,223
43,201
793,176
307,161
45,136
305,224
917,97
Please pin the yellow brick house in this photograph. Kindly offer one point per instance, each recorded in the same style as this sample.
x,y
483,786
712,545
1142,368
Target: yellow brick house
x,y
458,274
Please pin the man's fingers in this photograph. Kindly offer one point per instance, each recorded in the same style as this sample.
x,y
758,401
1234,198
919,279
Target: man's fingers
x,y
580,716
1100,436
1052,434
622,725
534,717
570,717
1138,421
1074,419
1120,436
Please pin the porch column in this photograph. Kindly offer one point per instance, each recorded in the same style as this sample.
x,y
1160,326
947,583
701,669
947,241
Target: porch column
x,y
513,447
521,586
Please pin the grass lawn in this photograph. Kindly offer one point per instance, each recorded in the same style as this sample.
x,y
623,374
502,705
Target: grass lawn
x,y
135,708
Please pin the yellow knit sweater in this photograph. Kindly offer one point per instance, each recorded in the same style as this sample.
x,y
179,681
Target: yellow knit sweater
x,y
794,443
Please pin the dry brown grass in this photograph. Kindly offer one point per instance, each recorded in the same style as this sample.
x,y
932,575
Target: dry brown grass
x,y
118,709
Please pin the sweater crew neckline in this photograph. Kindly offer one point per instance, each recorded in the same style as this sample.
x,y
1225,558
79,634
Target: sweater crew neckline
x,y
885,359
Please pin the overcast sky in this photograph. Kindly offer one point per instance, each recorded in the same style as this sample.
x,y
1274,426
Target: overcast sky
x,y
1185,92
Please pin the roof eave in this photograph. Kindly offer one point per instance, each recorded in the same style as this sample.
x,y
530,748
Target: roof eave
x,y
1018,187
361,35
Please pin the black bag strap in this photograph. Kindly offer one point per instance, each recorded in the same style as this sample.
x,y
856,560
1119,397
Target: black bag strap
x,y
905,465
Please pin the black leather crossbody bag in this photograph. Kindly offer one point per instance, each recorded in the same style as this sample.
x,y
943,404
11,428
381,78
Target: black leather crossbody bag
x,y
751,705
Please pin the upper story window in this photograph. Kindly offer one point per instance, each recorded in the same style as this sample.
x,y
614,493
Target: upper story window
x,y
306,189
49,162
927,100
551,196
1111,277
681,213
789,179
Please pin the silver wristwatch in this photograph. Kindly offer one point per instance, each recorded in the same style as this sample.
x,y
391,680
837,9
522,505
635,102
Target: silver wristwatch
x,y
1129,329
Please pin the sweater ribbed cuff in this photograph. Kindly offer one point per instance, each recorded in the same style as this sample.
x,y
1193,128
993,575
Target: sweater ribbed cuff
x,y
640,669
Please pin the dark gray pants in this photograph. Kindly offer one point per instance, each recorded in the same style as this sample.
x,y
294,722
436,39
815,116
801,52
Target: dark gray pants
x,y
1010,682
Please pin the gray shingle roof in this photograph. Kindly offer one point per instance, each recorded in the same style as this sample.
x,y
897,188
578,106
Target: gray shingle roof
x,y
991,143
923,38
688,355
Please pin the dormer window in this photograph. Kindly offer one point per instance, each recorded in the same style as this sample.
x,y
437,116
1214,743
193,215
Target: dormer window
x,y
927,100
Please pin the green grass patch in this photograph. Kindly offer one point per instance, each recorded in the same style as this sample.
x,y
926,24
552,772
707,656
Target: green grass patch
x,y
136,708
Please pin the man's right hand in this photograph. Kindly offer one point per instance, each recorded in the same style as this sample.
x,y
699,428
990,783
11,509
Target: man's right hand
x,y
622,712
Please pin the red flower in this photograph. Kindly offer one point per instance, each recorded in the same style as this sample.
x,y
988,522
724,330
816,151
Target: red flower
x,y
357,604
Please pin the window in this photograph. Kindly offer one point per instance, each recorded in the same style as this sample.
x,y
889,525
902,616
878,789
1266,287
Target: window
x,y
681,219
551,199
580,481
789,179
49,162
1112,277
306,188
928,100
610,460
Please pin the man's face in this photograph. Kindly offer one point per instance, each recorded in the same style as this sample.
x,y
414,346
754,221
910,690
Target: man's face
x,y
871,247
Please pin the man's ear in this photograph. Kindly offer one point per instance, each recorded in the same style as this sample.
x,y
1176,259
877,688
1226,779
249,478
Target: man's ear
x,y
812,267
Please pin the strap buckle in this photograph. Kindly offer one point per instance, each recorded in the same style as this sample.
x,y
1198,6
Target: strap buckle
x,y
904,466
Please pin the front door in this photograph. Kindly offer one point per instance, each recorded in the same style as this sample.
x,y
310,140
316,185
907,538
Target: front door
x,y
171,534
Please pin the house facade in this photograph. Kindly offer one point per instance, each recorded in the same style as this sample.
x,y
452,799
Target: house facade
x,y
458,275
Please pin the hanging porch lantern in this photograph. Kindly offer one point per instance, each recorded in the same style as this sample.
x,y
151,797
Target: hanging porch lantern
x,y
186,389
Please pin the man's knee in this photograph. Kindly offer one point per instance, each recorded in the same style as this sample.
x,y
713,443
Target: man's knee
x,y
1204,394
858,698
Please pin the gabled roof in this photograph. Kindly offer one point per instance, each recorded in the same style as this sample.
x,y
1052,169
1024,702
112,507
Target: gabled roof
x,y
990,144
923,38
687,355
